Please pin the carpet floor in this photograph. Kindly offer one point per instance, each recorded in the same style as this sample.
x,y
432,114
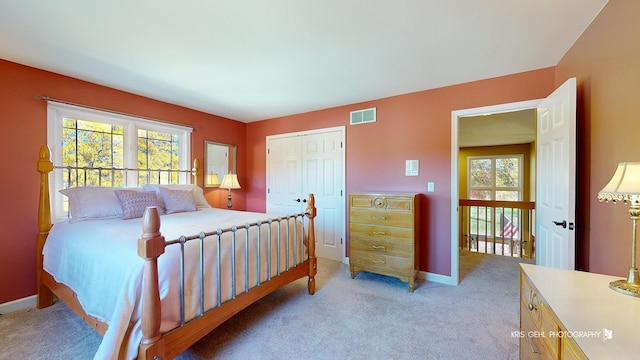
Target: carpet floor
x,y
369,317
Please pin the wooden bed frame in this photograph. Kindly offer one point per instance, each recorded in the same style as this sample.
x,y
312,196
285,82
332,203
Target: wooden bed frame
x,y
151,245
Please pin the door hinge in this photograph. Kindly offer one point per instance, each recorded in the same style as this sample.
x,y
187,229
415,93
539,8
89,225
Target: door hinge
x,y
340,241
340,144
268,191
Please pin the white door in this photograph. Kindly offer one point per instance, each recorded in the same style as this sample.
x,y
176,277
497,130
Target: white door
x,y
284,175
555,184
307,163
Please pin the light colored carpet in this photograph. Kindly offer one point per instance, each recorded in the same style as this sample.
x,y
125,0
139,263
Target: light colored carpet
x,y
371,317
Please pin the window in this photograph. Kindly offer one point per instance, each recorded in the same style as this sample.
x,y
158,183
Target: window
x,y
82,137
495,177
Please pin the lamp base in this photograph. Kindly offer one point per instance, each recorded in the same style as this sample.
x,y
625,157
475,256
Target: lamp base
x,y
629,286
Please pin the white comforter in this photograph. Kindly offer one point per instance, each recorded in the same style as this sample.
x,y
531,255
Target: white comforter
x,y
98,259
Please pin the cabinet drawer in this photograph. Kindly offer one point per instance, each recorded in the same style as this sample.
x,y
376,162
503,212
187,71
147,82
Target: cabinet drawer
x,y
387,233
382,247
381,218
380,261
531,338
548,326
402,203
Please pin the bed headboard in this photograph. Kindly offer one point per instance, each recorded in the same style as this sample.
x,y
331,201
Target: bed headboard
x,y
46,167
53,203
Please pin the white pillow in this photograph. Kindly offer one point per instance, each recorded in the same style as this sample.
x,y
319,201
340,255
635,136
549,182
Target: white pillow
x,y
198,194
92,203
178,200
134,203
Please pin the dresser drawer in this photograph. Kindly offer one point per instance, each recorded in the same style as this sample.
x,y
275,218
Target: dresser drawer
x,y
382,202
530,298
388,233
532,344
538,319
404,249
380,261
549,327
368,216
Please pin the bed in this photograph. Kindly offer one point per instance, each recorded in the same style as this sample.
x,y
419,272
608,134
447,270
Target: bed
x,y
153,292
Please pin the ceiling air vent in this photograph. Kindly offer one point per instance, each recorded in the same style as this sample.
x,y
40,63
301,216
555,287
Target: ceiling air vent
x,y
363,116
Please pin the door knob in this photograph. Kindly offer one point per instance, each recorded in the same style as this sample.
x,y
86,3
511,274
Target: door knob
x,y
562,223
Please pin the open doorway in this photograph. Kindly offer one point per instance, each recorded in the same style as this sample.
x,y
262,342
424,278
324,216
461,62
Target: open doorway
x,y
496,213
469,131
555,176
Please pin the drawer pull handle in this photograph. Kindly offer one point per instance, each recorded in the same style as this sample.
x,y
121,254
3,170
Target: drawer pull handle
x,y
379,218
379,247
532,307
378,261
379,233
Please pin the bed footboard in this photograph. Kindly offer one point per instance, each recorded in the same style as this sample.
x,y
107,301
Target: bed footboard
x,y
311,243
151,245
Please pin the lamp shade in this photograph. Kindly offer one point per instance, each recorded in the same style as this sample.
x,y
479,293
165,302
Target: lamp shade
x,y
212,180
230,181
624,185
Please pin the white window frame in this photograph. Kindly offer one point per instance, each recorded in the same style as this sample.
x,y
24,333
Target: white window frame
x,y
493,187
56,112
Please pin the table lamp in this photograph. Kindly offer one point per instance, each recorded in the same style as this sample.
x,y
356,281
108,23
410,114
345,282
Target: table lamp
x,y
212,180
625,186
230,181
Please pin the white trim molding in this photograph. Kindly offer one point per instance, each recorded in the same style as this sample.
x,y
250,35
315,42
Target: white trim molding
x,y
455,115
19,304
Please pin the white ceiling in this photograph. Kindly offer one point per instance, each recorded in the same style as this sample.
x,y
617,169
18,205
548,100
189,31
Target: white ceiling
x,y
251,60
514,127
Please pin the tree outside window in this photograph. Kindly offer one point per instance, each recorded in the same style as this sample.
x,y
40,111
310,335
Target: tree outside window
x,y
83,139
496,178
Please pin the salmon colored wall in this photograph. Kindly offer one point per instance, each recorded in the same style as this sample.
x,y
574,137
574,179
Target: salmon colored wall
x,y
606,62
24,129
412,126
518,149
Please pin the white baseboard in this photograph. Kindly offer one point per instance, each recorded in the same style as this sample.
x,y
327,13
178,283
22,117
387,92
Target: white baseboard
x,y
19,304
441,279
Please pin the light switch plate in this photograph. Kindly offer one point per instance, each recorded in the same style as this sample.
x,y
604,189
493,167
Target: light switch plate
x,y
431,186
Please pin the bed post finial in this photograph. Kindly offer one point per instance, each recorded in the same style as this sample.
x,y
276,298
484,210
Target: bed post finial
x,y
196,171
311,244
45,166
150,246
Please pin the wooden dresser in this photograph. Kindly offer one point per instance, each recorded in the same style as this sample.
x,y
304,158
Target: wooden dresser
x,y
567,314
384,235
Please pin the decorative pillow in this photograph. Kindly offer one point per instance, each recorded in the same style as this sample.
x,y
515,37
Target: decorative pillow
x,y
134,203
178,200
92,203
198,194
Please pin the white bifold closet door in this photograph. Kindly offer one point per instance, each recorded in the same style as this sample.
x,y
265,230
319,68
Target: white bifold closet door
x,y
310,162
